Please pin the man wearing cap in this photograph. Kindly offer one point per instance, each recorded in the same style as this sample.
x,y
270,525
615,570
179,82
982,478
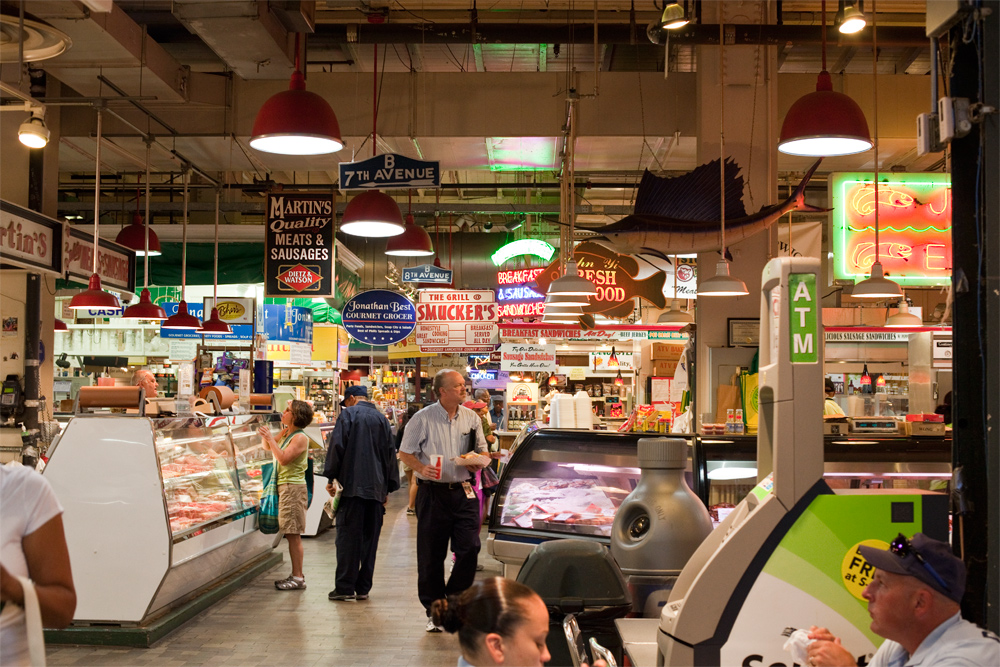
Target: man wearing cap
x,y
447,506
361,455
830,405
913,600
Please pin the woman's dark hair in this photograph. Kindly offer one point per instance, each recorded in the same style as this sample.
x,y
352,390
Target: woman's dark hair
x,y
490,605
302,413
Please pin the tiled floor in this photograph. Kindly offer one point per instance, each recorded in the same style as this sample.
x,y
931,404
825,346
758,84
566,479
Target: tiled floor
x,y
259,625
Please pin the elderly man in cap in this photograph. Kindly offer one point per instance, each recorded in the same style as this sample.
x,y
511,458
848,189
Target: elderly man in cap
x,y
361,455
913,600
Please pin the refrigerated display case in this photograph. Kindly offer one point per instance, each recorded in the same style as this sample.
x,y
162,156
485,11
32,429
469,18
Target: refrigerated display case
x,y
156,509
560,483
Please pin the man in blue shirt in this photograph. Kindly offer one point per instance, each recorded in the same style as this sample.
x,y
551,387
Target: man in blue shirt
x,y
913,600
447,505
361,455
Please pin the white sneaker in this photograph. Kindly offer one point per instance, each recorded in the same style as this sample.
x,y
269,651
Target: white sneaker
x,y
431,627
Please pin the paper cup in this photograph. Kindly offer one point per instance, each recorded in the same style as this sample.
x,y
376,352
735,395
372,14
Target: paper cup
x,y
437,461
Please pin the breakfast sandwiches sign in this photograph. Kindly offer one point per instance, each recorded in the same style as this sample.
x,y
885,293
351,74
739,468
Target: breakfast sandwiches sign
x,y
299,245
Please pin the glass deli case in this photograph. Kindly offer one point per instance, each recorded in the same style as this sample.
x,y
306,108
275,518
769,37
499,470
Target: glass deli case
x,y
560,483
156,508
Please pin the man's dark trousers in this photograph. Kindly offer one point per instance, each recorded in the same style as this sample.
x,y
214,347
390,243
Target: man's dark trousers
x,y
445,514
359,523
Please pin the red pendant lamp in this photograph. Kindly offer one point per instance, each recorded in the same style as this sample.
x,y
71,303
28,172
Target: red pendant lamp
x,y
95,298
181,319
133,236
296,121
145,309
824,122
413,242
214,325
60,326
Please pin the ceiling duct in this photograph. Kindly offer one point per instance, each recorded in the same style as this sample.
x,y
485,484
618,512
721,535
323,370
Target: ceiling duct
x,y
250,38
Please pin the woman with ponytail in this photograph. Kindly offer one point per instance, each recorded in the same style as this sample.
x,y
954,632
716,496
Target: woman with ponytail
x,y
499,622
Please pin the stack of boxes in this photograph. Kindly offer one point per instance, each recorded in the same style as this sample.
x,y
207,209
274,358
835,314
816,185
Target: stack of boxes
x,y
664,357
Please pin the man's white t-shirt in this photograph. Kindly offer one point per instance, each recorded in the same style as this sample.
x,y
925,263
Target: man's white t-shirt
x,y
27,503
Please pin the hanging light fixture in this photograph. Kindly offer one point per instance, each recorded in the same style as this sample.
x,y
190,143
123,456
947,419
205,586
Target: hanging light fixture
x,y
413,242
674,16
95,298
33,132
619,380
876,286
852,19
181,319
60,326
866,381
296,121
824,122
145,309
880,381
133,237
903,318
572,284
214,326
722,284
674,317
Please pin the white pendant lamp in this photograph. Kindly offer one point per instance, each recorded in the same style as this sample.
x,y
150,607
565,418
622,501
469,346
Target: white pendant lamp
x,y
572,284
722,284
876,286
33,132
675,317
95,298
853,20
903,318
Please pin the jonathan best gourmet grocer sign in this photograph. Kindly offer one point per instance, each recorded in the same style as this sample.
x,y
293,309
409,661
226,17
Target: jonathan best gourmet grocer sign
x,y
299,245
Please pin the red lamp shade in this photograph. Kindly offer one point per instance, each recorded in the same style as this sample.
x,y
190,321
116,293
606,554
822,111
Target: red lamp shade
x,y
296,122
181,319
133,237
824,123
60,326
413,242
94,298
214,326
145,309
372,214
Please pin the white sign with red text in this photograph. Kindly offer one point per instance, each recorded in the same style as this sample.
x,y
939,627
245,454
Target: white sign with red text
x,y
457,321
518,357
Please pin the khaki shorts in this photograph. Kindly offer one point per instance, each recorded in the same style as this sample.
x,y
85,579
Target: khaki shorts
x,y
292,501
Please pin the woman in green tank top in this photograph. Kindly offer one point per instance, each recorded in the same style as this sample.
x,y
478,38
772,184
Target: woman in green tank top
x,y
291,457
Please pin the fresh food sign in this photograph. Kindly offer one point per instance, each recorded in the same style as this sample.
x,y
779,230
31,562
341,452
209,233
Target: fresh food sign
x,y
516,357
457,321
379,317
298,245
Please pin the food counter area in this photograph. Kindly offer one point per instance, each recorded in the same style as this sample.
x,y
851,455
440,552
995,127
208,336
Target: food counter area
x,y
156,509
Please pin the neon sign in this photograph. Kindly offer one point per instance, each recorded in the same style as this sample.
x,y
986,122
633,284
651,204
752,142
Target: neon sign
x,y
534,247
521,309
517,276
518,293
914,227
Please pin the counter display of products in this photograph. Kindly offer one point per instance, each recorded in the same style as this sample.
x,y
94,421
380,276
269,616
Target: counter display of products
x,y
156,509
560,483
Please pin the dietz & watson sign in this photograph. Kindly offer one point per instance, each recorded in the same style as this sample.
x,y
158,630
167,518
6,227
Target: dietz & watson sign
x,y
299,245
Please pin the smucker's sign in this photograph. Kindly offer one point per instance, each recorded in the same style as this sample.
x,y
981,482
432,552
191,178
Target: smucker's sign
x,y
299,245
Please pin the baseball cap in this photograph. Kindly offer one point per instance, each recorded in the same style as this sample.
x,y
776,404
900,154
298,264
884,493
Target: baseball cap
x,y
929,560
356,390
474,405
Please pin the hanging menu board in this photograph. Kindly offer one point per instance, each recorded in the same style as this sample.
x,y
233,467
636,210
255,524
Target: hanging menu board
x,y
457,321
298,245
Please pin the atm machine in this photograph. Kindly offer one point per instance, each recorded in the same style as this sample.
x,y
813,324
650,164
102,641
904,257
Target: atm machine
x,y
787,556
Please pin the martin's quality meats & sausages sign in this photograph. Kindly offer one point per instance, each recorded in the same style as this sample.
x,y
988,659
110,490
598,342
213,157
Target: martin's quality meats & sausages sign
x,y
299,245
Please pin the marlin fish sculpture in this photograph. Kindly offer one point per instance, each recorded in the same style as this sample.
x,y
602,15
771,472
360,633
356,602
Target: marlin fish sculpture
x,y
682,214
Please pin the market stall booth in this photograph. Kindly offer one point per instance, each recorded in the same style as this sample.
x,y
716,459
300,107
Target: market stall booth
x,y
155,509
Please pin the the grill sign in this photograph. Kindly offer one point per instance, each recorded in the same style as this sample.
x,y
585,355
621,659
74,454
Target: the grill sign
x,y
299,245
457,321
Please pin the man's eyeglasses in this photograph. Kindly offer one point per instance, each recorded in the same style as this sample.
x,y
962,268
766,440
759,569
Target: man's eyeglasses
x,y
902,548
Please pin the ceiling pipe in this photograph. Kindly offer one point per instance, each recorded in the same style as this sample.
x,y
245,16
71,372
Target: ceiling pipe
x,y
329,36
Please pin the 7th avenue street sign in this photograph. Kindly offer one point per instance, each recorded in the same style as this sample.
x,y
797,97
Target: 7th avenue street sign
x,y
388,171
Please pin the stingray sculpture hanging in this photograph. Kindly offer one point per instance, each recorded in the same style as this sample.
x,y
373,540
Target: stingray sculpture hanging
x,y
681,214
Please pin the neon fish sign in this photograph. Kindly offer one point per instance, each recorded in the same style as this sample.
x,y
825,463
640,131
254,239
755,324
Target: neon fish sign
x,y
914,212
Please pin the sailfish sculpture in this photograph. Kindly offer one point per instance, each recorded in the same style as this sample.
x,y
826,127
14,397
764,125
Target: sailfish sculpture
x,y
681,215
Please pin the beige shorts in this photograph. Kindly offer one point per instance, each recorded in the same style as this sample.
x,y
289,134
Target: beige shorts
x,y
292,501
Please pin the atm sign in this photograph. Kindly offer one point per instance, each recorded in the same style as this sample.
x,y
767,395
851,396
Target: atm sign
x,y
803,318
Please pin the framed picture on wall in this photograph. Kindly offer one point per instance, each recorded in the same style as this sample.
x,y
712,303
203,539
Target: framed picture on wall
x,y
744,332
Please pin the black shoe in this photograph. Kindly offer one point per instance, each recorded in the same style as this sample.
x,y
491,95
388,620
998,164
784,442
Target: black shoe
x,y
334,596
361,597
